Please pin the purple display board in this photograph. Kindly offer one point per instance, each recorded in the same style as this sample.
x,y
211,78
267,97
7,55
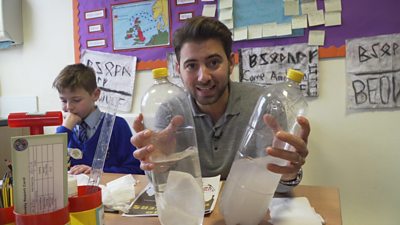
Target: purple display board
x,y
359,19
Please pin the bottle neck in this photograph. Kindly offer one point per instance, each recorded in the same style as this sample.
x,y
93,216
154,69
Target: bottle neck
x,y
160,80
292,82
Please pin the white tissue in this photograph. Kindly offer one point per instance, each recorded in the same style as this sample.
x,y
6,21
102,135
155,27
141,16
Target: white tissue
x,y
119,193
293,211
72,186
116,194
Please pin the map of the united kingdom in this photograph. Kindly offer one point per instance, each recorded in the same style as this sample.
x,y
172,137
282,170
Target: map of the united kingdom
x,y
140,25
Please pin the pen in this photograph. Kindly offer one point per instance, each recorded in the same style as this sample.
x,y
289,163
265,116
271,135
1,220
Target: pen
x,y
6,191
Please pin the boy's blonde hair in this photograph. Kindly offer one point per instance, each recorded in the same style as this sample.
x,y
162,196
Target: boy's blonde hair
x,y
76,76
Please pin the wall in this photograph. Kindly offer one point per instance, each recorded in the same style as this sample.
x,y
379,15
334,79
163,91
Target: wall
x,y
356,152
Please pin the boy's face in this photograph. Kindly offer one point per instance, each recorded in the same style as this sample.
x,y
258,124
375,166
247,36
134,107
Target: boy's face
x,y
79,101
205,70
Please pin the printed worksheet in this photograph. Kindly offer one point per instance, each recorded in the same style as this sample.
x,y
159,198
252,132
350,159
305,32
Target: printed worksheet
x,y
39,173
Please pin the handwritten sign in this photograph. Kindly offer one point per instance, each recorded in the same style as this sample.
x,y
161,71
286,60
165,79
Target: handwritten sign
x,y
268,65
373,72
115,76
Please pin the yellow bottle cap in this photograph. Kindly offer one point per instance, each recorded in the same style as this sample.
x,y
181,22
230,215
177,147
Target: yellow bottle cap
x,y
295,75
160,72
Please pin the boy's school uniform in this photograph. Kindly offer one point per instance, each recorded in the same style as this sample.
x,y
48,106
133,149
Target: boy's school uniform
x,y
119,157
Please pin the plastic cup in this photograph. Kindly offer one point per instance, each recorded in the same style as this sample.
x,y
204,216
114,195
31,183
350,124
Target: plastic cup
x,y
58,217
86,208
7,216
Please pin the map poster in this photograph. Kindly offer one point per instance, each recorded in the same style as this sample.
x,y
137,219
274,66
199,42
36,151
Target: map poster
x,y
140,24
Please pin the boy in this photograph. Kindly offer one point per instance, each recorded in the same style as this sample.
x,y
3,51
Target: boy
x,y
78,92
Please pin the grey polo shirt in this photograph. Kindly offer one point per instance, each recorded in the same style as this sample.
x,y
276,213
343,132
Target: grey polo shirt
x,y
219,142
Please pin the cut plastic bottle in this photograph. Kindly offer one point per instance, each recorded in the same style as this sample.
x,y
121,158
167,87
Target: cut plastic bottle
x,y
250,187
177,176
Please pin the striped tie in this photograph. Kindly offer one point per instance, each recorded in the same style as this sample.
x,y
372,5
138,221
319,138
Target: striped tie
x,y
82,131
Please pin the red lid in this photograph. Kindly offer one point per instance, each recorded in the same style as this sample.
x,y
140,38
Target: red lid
x,y
7,215
58,217
89,197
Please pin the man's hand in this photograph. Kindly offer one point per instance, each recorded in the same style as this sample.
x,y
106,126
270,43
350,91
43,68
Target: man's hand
x,y
296,157
150,144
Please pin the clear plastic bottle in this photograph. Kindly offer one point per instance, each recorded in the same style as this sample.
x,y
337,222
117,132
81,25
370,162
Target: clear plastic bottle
x,y
250,187
177,176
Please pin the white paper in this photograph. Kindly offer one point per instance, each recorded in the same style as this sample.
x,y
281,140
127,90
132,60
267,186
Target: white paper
x,y
283,29
209,10
228,23
316,37
373,72
240,33
95,14
96,43
299,22
308,6
333,18
316,18
291,8
254,31
115,73
225,14
269,29
225,4
333,5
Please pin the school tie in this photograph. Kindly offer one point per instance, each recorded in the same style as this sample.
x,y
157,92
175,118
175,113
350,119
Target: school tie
x,y
82,131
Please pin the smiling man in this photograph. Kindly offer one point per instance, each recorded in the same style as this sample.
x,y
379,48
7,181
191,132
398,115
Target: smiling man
x,y
221,108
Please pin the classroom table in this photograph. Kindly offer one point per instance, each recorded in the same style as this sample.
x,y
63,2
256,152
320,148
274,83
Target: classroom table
x,y
325,200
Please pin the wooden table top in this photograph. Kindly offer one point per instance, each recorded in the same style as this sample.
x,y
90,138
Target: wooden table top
x,y
325,201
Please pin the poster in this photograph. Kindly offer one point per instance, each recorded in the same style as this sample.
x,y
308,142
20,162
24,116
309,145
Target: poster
x,y
140,25
373,72
115,76
268,65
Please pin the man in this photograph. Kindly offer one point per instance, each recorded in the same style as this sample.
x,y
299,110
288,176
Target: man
x,y
221,108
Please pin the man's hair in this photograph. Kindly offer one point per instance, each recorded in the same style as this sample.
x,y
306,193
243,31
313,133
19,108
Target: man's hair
x,y
76,76
202,28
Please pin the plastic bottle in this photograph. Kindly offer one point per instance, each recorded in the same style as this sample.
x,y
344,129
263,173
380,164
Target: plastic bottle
x,y
177,176
250,187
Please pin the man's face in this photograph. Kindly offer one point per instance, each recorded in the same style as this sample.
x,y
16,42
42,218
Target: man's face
x,y
78,101
205,70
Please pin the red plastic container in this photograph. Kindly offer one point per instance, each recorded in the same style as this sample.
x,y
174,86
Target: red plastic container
x,y
58,217
7,216
35,121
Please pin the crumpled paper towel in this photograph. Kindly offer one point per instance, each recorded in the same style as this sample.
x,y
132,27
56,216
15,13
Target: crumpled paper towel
x,y
116,194
293,211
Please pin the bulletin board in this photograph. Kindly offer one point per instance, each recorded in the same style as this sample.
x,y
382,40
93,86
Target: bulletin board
x,y
93,23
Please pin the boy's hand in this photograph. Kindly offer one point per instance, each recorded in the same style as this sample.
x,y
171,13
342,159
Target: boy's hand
x,y
78,169
71,120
